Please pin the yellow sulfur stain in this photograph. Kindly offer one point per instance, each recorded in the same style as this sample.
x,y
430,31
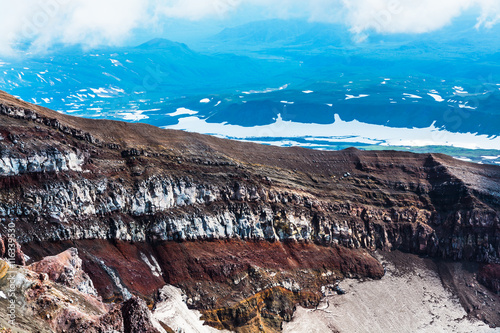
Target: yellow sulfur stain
x,y
4,267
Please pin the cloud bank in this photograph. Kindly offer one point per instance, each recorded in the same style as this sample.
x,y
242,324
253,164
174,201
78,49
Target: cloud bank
x,y
38,24
409,16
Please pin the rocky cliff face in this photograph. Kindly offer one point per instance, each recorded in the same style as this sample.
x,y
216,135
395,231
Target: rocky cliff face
x,y
126,195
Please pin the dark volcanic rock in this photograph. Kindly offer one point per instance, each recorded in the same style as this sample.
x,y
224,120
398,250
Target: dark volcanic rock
x,y
136,317
489,275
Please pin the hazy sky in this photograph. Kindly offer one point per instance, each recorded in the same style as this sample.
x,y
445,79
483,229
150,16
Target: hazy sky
x,y
42,23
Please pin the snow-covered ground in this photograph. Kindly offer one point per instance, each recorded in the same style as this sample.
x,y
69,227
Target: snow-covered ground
x,y
340,130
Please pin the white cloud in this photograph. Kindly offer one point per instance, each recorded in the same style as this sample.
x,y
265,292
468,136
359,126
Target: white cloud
x,y
196,9
45,22
42,23
490,14
409,16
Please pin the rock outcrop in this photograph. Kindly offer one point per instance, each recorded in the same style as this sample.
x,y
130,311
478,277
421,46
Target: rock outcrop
x,y
42,305
147,207
66,268
137,317
10,250
489,275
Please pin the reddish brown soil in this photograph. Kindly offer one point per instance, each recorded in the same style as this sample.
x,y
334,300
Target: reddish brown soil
x,y
214,262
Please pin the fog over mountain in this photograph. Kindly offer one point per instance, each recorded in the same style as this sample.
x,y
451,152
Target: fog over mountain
x,y
35,25
437,89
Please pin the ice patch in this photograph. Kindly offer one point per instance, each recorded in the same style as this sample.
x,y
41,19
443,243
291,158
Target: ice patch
x,y
411,95
465,106
107,93
205,100
354,130
308,91
116,63
41,78
182,111
265,91
436,97
459,90
134,115
110,75
286,102
118,90
353,96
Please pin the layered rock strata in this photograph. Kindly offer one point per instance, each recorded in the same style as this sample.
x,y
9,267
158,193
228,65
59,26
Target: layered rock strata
x,y
146,207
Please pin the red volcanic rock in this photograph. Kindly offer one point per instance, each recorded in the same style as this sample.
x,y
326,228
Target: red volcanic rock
x,y
121,258
4,251
66,268
231,270
217,260
223,267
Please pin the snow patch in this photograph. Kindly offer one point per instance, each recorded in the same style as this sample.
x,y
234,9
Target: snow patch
x,y
265,91
411,95
182,111
355,130
465,106
436,97
133,115
353,96
459,90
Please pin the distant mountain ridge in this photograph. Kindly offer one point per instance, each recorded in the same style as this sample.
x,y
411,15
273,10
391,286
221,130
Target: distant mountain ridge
x,y
306,72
